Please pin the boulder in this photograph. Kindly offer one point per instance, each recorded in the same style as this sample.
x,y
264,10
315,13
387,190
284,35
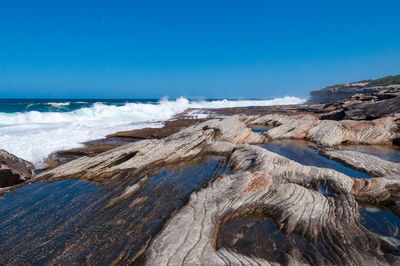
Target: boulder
x,y
14,170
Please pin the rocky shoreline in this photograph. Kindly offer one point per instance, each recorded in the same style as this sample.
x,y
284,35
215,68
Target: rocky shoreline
x,y
211,191
354,101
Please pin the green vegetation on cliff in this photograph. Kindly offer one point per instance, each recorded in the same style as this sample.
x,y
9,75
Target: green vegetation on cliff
x,y
389,80
385,81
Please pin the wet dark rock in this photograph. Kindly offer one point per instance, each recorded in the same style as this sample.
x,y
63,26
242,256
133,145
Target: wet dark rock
x,y
14,170
113,222
372,109
170,127
358,101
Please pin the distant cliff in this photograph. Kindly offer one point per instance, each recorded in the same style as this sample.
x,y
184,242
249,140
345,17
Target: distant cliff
x,y
346,91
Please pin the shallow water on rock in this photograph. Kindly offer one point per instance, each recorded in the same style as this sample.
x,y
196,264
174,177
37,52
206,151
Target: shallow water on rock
x,y
385,152
300,151
383,223
263,239
74,221
260,129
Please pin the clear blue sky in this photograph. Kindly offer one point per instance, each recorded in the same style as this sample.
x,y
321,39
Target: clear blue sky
x,y
233,49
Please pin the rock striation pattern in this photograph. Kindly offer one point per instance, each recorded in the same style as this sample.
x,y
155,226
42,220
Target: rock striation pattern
x,y
14,170
267,186
330,133
212,137
355,101
317,205
364,162
381,191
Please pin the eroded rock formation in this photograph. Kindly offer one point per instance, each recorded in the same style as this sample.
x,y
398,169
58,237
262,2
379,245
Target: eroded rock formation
x,y
95,147
364,162
206,192
317,205
267,186
352,102
14,170
212,137
329,132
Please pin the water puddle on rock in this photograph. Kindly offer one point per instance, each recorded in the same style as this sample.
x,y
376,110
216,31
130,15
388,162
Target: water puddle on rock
x,y
260,128
385,152
74,221
301,152
383,223
263,239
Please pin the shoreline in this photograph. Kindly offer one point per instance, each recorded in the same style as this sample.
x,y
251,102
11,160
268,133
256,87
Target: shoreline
x,y
94,147
252,186
329,111
33,129
251,182
175,124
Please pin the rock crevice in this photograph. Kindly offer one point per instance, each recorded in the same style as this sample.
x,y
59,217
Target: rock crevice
x,y
262,185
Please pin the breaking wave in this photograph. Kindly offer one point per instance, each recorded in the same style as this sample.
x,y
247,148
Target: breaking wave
x,y
33,135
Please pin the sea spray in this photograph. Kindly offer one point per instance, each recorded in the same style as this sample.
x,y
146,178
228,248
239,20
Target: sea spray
x,y
34,134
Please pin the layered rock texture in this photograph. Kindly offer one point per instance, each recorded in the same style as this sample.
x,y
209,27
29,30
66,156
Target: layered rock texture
x,y
213,137
267,186
330,132
368,99
360,101
95,147
14,170
315,209
383,88
370,164
220,191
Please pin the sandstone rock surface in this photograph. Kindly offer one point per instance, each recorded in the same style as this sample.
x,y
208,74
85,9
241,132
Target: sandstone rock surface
x,y
317,205
364,162
329,132
212,137
349,102
268,186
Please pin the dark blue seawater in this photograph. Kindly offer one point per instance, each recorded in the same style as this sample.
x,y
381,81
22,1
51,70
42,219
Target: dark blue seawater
x,y
61,105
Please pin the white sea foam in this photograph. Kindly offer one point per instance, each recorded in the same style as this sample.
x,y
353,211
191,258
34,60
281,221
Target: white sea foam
x,y
34,135
58,104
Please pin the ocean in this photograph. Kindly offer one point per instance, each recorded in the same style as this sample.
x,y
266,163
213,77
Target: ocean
x,y
34,128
